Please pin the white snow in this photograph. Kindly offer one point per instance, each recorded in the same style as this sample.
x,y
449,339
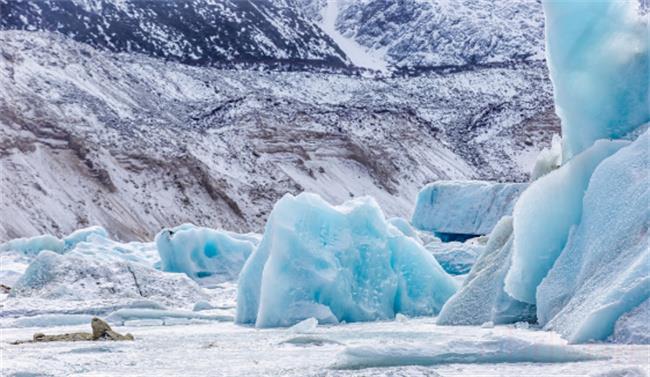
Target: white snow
x,y
359,55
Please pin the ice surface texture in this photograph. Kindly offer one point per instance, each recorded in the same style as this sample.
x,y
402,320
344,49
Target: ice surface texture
x,y
464,207
544,215
203,252
495,350
80,277
482,299
457,258
31,246
343,263
597,53
603,271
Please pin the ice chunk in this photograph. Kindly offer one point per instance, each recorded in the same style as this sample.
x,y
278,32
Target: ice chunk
x,y
602,272
204,253
457,258
344,263
544,215
103,248
77,277
33,245
202,305
167,316
464,207
405,227
495,350
83,235
597,53
482,299
52,320
303,327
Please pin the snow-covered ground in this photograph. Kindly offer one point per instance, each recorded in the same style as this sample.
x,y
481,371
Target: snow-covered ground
x,y
226,349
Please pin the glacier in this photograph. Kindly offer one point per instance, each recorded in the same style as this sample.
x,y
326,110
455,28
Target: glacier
x,y
204,254
598,59
482,299
544,216
336,264
464,207
603,272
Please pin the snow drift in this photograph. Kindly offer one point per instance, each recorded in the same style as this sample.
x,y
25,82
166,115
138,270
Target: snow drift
x,y
343,263
495,350
204,253
464,207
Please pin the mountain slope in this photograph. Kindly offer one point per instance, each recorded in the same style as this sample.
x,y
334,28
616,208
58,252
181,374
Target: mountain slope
x,y
136,143
196,32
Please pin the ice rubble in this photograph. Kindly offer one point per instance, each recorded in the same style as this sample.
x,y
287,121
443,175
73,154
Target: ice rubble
x,y
603,272
491,350
336,263
31,246
204,253
598,58
464,207
405,227
78,277
544,215
482,299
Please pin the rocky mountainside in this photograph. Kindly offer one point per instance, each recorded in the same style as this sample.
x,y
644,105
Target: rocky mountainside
x,y
437,34
93,134
197,32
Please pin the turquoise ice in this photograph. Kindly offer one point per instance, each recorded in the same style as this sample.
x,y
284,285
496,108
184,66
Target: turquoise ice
x,y
337,263
597,54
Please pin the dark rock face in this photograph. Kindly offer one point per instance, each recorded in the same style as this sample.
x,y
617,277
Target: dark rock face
x,y
196,32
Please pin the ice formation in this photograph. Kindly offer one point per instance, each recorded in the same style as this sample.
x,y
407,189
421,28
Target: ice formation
x,y
495,350
633,327
544,215
204,253
31,246
343,263
598,58
482,299
77,277
602,272
405,227
464,207
457,258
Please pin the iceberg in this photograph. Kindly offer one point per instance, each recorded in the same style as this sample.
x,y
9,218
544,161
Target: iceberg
x,y
76,277
481,298
602,273
598,58
544,216
31,246
204,253
467,208
336,263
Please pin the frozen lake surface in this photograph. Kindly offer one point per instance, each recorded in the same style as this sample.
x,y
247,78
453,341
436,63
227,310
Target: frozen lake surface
x,y
226,349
